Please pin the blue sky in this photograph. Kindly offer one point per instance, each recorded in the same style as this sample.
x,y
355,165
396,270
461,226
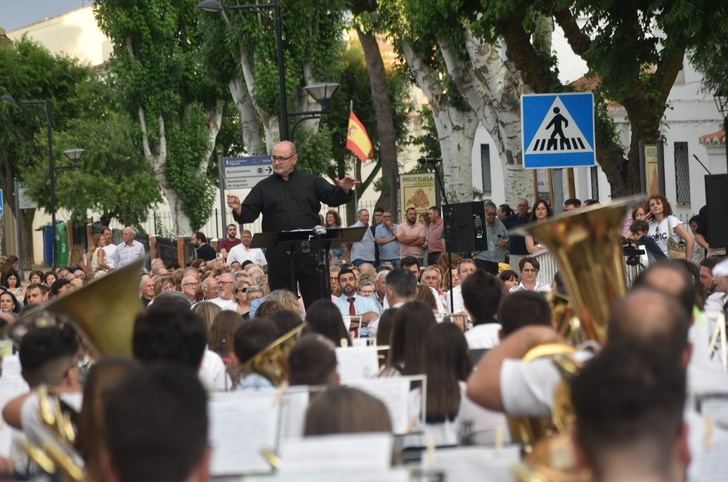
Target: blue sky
x,y
19,13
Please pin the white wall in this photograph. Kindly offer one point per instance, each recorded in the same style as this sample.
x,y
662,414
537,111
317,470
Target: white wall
x,y
74,34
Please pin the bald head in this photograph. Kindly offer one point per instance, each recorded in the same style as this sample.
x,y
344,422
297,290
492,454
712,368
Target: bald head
x,y
670,278
649,318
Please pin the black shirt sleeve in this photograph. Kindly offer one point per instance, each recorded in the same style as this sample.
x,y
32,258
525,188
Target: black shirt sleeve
x,y
291,204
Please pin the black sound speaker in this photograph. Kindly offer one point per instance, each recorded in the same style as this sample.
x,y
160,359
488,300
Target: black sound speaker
x,y
716,200
464,227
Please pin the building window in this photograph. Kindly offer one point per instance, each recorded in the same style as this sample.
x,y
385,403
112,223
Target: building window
x,y
594,172
485,168
682,173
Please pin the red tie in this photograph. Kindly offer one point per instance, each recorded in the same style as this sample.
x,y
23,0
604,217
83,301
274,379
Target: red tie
x,y
352,308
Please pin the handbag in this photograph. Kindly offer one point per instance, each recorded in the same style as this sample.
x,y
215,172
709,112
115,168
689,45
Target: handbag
x,y
676,249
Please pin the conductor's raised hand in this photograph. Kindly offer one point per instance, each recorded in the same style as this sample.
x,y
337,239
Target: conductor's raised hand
x,y
346,183
233,202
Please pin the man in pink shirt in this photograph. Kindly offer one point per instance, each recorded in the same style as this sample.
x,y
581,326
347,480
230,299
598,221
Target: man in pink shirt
x,y
435,246
411,236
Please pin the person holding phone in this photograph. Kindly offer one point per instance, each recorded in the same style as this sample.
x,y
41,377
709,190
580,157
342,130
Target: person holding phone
x,y
497,237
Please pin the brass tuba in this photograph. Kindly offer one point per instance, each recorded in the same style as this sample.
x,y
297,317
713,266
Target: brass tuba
x,y
587,247
103,312
272,361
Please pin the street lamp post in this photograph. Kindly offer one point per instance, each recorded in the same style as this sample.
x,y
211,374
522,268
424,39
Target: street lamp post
x,y
322,93
721,102
48,113
215,6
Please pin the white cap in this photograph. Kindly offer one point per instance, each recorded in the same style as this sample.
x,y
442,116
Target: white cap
x,y
721,269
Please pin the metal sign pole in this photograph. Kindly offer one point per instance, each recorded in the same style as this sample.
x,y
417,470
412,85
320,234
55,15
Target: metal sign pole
x,y
223,203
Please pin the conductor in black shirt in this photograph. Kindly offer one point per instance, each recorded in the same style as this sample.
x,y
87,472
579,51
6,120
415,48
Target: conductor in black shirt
x,y
290,199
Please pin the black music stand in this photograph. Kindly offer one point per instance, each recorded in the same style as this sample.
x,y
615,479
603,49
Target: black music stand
x,y
318,241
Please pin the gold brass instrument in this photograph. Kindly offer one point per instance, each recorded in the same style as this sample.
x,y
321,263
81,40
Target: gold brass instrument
x,y
55,454
272,361
587,247
103,312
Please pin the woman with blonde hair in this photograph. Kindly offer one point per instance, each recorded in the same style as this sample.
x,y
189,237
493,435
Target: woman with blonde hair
x,y
97,255
207,311
162,284
288,300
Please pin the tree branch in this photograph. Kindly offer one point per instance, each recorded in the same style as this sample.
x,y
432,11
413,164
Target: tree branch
x,y
525,57
371,176
578,40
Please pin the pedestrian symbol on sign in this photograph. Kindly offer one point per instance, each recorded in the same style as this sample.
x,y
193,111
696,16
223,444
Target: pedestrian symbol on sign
x,y
558,133
557,130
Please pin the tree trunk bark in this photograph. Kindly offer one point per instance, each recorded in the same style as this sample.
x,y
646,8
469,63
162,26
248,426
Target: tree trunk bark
x,y
385,115
492,88
250,129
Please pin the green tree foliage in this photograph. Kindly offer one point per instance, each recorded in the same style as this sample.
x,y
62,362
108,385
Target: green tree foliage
x,y
30,72
156,68
711,57
635,50
355,90
241,45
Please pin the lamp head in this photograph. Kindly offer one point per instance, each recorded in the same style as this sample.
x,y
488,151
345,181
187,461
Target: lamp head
x,y
213,6
323,93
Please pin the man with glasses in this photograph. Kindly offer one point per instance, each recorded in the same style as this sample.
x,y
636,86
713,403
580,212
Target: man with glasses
x,y
386,239
226,292
290,199
497,236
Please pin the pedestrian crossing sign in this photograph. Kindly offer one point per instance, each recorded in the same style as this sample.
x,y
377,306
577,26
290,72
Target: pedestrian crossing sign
x,y
557,130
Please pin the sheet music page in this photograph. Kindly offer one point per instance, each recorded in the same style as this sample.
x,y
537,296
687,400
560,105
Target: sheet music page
x,y
711,464
472,463
240,425
294,405
357,362
11,385
394,475
347,453
394,392
716,408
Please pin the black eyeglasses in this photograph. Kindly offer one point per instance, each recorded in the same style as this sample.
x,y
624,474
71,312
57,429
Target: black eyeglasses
x,y
241,290
281,158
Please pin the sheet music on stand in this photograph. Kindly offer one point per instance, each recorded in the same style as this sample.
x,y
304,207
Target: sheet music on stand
x,y
404,397
709,462
472,463
718,341
245,422
357,362
12,385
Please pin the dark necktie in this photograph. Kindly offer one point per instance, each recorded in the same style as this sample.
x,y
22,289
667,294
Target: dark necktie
x,y
352,308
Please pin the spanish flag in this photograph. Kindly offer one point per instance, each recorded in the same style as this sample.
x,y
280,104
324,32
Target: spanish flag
x,y
357,140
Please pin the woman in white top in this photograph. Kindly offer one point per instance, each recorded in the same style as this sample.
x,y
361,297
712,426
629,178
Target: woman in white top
x,y
451,416
541,212
529,276
98,255
664,225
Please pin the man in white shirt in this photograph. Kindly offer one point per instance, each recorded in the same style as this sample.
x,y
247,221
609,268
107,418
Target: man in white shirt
x,y
363,251
129,250
351,303
226,298
243,252
482,294
110,247
465,269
